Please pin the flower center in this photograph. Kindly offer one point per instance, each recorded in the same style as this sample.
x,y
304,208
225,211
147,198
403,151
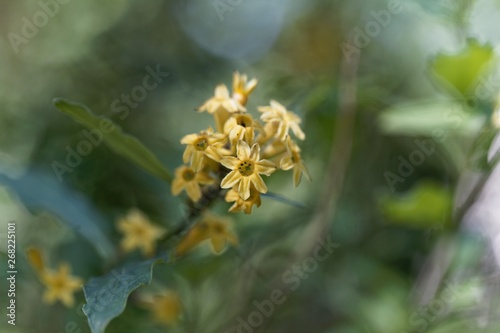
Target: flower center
x,y
244,121
246,168
201,144
188,175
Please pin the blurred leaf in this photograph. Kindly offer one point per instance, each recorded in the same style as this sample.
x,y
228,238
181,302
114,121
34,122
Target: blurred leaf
x,y
107,295
427,205
425,117
121,143
37,190
479,156
462,70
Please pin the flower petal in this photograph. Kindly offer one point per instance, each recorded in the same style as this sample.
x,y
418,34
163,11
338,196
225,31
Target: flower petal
x,y
265,167
297,175
243,150
244,188
230,162
177,186
231,179
259,184
189,139
221,91
255,152
193,190
286,163
218,243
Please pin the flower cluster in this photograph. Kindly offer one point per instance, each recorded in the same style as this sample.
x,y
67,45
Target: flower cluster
x,y
241,149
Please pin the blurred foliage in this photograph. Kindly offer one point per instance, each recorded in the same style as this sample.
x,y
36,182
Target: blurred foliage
x,y
428,74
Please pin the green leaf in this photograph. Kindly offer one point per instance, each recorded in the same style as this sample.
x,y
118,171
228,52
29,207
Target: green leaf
x,y
426,205
478,159
38,190
425,117
461,71
107,295
121,143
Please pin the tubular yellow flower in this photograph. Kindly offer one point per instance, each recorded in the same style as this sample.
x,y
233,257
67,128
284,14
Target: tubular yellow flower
x,y
138,232
241,88
206,143
241,127
189,180
284,119
243,205
294,160
166,308
214,228
60,285
246,169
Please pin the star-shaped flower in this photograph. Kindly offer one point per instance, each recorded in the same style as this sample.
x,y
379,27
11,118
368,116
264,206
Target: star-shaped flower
x,y
241,88
205,144
189,180
166,308
221,100
60,285
241,127
294,160
246,169
210,227
284,119
139,232
243,205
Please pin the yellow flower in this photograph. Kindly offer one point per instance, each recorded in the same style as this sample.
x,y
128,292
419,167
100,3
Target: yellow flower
x,y
284,119
206,143
60,285
246,169
214,228
189,180
243,205
241,127
221,100
138,232
294,160
241,88
221,105
166,308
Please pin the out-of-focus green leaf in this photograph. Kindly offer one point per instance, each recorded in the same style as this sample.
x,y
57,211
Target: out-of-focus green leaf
x,y
429,117
427,205
39,191
478,159
121,143
107,295
461,71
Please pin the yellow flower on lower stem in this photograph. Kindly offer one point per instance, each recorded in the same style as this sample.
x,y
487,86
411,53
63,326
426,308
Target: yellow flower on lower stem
x,y
294,160
241,127
139,232
246,169
189,180
241,88
211,227
60,285
284,119
166,308
205,144
243,205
